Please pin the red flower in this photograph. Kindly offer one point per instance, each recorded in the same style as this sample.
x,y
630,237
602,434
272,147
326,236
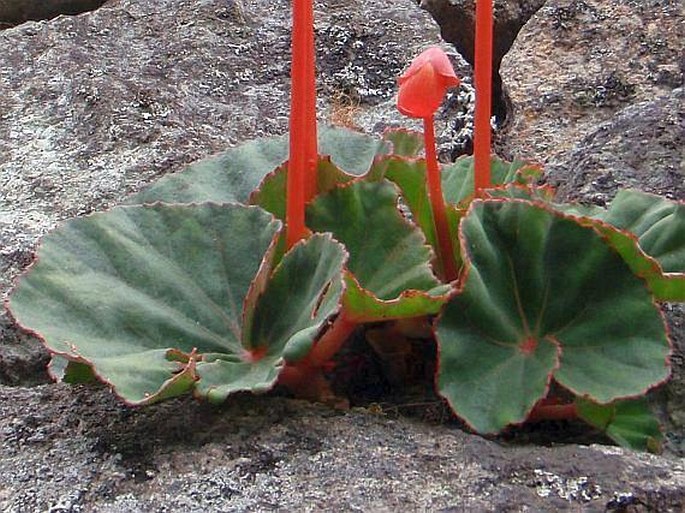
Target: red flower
x,y
423,85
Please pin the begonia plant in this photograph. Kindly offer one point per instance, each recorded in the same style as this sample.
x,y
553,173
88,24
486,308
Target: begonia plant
x,y
254,268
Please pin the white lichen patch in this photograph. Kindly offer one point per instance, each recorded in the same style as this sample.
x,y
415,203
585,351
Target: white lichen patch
x,y
572,489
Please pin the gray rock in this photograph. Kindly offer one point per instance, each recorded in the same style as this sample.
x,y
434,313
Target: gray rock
x,y
77,449
577,63
641,147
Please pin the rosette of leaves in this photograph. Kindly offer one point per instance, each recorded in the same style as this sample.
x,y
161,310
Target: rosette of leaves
x,y
545,297
161,299
389,270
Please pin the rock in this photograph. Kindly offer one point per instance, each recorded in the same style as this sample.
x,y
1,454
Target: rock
x,y
637,148
14,12
77,449
457,26
579,62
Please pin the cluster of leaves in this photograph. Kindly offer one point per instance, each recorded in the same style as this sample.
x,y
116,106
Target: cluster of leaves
x,y
188,287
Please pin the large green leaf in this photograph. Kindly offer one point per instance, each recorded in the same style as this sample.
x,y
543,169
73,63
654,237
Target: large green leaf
x,y
389,258
234,174
649,233
629,423
142,294
544,297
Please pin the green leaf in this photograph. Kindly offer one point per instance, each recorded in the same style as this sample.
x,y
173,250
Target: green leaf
x,y
303,292
151,295
659,225
70,371
270,194
405,143
389,257
231,176
649,233
120,289
353,152
629,423
543,292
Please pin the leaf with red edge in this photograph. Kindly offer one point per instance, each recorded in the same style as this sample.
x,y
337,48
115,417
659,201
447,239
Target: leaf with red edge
x,y
389,258
270,194
543,297
161,299
649,233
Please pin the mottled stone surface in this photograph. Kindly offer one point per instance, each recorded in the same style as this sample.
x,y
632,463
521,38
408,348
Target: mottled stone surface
x,y
577,63
78,449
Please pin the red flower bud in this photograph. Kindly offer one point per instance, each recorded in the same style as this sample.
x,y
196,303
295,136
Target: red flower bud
x,y
423,85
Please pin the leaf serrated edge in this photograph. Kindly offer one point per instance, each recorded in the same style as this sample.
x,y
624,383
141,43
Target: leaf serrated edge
x,y
73,355
550,209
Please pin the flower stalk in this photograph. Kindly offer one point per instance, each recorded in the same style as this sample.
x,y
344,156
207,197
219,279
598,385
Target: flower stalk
x,y
483,85
446,250
301,180
422,89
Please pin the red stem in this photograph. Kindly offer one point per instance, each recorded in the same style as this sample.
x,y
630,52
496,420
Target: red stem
x,y
331,341
483,84
303,146
445,248
312,150
553,412
305,378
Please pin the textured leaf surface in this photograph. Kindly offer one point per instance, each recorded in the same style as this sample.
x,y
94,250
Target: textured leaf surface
x,y
659,225
152,297
649,233
120,289
389,257
405,143
629,423
541,292
234,174
303,292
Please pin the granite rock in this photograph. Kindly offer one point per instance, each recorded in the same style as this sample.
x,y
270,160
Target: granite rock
x,y
78,449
